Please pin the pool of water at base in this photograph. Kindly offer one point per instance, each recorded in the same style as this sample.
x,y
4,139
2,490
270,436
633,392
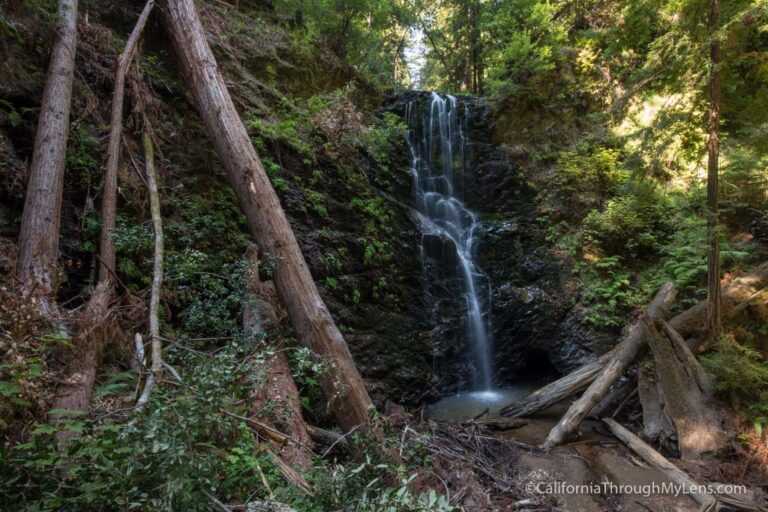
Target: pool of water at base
x,y
470,404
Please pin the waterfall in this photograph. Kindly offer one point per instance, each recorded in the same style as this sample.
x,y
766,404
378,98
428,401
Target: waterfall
x,y
436,137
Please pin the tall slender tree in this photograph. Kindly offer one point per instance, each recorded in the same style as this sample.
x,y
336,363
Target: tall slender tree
x,y
74,393
39,235
714,301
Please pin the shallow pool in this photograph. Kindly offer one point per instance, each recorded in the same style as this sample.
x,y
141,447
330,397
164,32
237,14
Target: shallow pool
x,y
465,406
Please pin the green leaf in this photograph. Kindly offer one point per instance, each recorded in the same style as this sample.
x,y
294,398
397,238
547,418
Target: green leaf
x,y
44,428
9,388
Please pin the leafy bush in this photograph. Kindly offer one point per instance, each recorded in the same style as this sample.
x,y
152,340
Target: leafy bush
x,y
608,291
183,448
634,225
684,260
590,174
741,374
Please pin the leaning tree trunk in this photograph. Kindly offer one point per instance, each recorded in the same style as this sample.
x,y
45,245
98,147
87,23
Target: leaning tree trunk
x,y
75,390
314,326
636,336
39,235
109,193
262,312
714,321
737,296
156,367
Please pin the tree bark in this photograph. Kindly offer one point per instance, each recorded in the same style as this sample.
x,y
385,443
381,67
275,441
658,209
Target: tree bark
x,y
109,193
314,326
684,353
157,270
39,234
656,460
657,424
714,302
75,390
634,339
697,426
261,313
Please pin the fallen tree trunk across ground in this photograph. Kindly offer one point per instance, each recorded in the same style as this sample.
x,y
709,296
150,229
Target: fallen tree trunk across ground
x,y
636,336
656,460
695,424
581,378
737,296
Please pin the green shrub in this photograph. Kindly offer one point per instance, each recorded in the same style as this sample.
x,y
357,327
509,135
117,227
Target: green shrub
x,y
608,291
633,226
741,374
590,172
183,448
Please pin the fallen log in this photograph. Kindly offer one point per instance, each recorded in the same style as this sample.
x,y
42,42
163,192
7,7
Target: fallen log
x,y
558,390
736,296
692,322
657,424
613,400
572,383
684,353
328,438
697,428
655,459
636,335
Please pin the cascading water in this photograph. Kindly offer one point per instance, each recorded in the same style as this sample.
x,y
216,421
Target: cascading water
x,y
438,145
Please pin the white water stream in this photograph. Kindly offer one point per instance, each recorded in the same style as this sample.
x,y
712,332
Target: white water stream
x,y
437,140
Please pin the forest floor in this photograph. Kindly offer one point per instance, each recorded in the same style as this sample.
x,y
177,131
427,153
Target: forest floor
x,y
593,473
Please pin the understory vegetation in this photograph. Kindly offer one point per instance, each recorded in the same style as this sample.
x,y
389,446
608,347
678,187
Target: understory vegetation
x,y
599,106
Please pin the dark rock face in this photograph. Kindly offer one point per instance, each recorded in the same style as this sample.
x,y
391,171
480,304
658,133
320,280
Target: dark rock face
x,y
536,328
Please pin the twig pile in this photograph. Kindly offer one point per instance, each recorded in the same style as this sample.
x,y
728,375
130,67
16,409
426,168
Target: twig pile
x,y
478,471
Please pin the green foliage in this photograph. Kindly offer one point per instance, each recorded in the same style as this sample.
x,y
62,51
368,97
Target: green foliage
x,y
386,133
634,225
609,292
366,34
307,368
84,155
523,41
378,216
286,131
316,202
133,246
167,458
590,172
741,374
182,448
683,260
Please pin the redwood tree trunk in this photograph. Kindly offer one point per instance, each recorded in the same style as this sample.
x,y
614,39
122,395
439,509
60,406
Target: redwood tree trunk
x,y
309,315
714,314
39,235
